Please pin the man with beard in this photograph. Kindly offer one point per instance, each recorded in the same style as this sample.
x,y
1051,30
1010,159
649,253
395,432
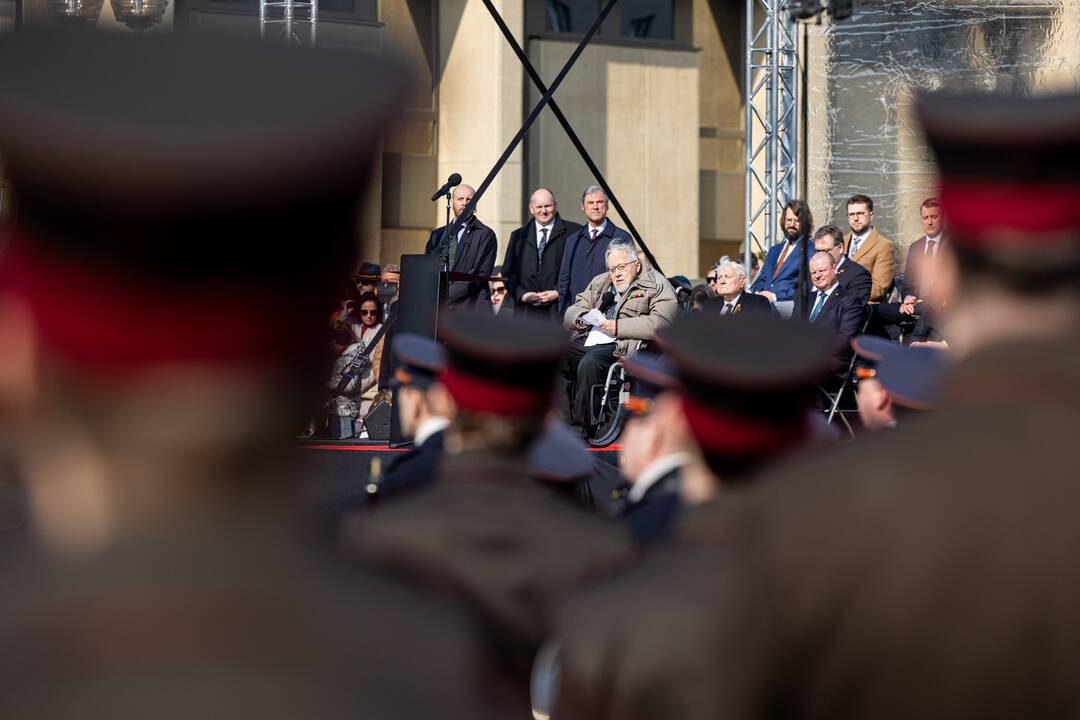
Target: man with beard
x,y
779,275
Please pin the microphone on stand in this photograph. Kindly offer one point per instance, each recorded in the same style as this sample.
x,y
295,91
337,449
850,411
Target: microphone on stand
x,y
451,182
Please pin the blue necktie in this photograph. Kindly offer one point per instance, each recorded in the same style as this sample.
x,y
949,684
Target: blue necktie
x,y
817,305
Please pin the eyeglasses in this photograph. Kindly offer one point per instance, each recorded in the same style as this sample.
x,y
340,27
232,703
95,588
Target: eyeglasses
x,y
369,313
859,213
620,267
711,280
499,290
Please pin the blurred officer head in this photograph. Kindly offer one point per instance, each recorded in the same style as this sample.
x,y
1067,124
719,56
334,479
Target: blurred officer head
x,y
655,427
747,393
500,374
156,306
1009,185
421,396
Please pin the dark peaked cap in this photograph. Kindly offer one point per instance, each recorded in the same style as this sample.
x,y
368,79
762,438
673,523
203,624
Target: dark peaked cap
x,y
501,365
139,131
195,196
747,386
1010,167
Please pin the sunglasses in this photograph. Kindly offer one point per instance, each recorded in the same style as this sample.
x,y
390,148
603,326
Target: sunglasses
x,y
499,290
711,281
369,313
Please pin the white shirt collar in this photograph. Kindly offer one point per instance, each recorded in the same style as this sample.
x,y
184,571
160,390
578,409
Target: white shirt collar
x,y
829,291
735,300
428,428
840,263
654,471
858,239
599,228
540,227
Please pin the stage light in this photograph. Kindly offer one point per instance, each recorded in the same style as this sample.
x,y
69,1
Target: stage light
x,y
804,9
841,9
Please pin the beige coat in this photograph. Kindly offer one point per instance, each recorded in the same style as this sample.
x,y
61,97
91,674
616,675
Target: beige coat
x,y
877,255
647,305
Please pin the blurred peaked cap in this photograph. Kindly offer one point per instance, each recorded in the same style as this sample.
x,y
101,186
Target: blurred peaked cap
x,y
421,360
650,375
748,382
747,353
1009,165
872,349
127,120
191,155
193,195
501,364
912,376
558,455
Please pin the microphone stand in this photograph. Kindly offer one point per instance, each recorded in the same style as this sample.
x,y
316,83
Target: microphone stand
x,y
444,243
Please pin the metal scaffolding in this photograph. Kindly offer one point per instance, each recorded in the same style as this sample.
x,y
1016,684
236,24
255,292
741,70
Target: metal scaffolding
x,y
284,16
771,97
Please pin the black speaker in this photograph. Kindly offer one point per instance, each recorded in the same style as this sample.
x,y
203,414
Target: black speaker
x,y
377,422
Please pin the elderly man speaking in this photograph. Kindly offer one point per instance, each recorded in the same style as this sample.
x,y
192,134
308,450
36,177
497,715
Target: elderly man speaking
x,y
619,310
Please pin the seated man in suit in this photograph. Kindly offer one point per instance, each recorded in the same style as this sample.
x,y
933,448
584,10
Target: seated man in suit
x,y
854,279
922,258
780,273
866,246
730,288
656,444
583,257
829,306
534,257
634,301
472,252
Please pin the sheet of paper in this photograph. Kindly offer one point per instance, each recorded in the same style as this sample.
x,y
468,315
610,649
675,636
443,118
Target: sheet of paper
x,y
598,337
594,317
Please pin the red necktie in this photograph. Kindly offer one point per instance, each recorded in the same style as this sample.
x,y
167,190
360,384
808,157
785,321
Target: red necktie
x,y
594,231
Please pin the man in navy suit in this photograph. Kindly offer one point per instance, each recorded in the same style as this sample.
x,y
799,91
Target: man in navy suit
x,y
534,258
831,307
779,275
472,251
854,279
583,257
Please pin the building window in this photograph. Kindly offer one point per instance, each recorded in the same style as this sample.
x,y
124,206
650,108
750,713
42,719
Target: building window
x,y
634,19
648,19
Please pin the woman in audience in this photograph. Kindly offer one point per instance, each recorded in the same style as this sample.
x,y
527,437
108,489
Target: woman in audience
x,y
354,382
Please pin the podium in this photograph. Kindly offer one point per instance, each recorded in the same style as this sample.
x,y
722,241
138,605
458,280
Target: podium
x,y
423,286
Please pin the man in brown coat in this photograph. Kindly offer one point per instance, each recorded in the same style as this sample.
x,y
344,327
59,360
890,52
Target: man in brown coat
x,y
629,302
487,535
930,572
868,247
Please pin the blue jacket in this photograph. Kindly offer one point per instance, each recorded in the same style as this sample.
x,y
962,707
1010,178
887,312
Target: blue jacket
x,y
583,260
785,283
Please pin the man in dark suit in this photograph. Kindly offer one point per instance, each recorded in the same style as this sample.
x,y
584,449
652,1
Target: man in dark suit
x,y
583,257
534,257
854,279
472,252
828,306
655,446
486,534
730,288
919,271
779,275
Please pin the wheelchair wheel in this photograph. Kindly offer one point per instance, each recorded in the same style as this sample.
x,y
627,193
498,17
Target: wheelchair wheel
x,y
609,427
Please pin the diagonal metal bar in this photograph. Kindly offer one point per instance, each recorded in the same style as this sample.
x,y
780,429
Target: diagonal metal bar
x,y
568,128
452,229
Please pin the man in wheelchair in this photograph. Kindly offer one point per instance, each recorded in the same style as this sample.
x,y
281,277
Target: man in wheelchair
x,y
618,311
